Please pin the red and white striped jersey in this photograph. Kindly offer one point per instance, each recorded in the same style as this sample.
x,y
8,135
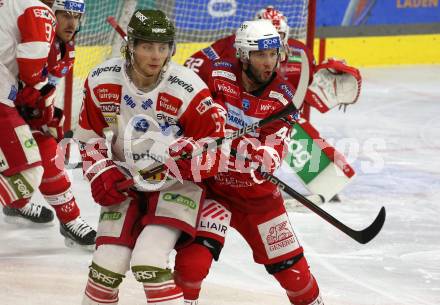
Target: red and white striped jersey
x,y
27,30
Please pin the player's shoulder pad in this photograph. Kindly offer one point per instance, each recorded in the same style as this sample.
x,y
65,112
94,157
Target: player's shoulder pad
x,y
182,81
108,69
281,91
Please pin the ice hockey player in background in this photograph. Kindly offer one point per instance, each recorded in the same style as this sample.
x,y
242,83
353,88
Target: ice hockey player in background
x,y
27,31
47,130
332,83
148,104
322,94
250,90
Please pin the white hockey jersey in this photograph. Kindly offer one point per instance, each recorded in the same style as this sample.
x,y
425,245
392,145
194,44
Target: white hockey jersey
x,y
143,124
27,29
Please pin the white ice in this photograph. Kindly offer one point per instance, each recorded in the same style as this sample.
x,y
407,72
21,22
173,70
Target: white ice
x,y
391,137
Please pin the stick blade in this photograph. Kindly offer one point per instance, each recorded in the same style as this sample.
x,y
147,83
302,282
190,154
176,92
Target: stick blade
x,y
367,234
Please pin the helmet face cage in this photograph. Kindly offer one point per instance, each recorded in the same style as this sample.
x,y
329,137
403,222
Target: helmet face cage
x,y
277,18
71,6
254,36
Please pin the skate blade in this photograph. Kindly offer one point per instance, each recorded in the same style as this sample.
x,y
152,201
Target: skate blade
x,y
74,245
17,220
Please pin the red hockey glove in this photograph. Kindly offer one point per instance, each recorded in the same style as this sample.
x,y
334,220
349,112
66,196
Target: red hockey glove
x,y
36,98
56,125
102,173
36,106
103,184
267,158
195,168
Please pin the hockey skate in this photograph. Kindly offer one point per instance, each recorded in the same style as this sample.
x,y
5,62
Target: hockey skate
x,y
29,214
78,234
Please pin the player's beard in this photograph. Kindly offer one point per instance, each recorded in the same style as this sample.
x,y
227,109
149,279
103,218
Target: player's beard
x,y
257,77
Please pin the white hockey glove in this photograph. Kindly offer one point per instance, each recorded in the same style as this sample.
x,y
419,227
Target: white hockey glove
x,y
334,83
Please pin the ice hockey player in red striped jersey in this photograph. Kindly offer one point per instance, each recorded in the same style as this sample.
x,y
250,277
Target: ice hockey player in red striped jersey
x,y
47,130
250,89
28,29
321,93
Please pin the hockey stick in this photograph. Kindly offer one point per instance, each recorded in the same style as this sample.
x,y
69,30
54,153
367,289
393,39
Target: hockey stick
x,y
362,236
290,108
112,21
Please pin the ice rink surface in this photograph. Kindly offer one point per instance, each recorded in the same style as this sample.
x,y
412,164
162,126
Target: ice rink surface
x,y
392,139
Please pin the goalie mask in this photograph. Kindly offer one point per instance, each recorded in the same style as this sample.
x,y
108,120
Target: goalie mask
x,y
277,18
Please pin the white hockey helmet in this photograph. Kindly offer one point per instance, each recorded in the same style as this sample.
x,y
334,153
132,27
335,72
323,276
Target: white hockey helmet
x,y
277,18
254,36
73,6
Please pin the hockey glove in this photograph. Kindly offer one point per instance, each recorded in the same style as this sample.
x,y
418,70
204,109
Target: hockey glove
x,y
195,168
56,125
36,106
267,159
102,173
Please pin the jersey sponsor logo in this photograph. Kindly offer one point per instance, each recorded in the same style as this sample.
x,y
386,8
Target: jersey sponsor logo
x,y
180,199
140,124
278,96
215,218
278,236
3,162
168,103
210,53
98,71
286,90
265,107
106,93
147,104
239,120
20,185
176,80
224,74
110,216
223,64
269,43
167,119
228,88
168,129
45,14
204,105
129,101
246,104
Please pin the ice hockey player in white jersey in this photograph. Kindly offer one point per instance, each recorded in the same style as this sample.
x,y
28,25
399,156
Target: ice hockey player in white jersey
x,y
144,104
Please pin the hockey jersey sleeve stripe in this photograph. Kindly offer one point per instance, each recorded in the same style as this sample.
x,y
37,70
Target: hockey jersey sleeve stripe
x,y
33,50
